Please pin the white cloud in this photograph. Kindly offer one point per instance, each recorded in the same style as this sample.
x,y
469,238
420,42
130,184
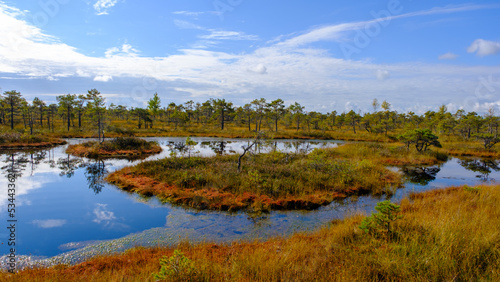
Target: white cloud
x,y
101,6
351,106
484,47
260,69
103,78
126,50
382,74
49,223
102,215
228,35
215,34
187,13
448,56
337,32
299,73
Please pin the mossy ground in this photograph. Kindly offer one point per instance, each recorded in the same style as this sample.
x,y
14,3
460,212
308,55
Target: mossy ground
x,y
272,181
118,147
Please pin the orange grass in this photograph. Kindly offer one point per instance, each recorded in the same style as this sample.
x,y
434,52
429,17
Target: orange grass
x,y
224,201
273,181
51,143
81,151
114,148
443,235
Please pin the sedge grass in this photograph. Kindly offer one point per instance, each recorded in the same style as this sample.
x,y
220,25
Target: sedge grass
x,y
443,235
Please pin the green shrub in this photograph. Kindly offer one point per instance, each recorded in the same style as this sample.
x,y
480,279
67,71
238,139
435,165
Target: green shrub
x,y
177,268
472,189
125,143
379,223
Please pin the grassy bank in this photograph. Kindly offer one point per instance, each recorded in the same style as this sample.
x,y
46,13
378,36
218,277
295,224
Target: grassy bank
x,y
443,235
452,144
272,181
470,149
128,147
15,140
121,129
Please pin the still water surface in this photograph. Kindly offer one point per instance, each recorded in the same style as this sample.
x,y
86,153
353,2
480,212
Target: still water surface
x,y
66,213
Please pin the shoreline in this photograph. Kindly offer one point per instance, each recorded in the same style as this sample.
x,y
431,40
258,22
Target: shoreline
x,y
418,220
39,145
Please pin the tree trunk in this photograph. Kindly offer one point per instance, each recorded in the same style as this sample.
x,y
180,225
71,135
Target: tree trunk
x,y
69,121
12,116
99,125
222,120
31,123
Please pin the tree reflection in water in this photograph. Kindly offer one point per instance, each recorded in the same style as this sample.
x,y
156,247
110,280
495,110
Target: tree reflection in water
x,y
14,165
94,172
21,162
420,175
218,147
68,165
483,166
299,147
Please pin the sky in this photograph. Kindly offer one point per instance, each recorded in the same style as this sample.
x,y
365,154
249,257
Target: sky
x,y
325,55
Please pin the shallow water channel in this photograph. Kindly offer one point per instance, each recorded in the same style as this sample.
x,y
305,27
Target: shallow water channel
x,y
65,213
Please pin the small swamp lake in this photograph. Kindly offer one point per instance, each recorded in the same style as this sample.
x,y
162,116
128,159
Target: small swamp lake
x,y
65,213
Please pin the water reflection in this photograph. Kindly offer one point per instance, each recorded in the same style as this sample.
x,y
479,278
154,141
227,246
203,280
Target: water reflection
x,y
303,147
420,175
16,163
218,147
483,166
95,172
21,163
60,212
68,165
49,223
103,215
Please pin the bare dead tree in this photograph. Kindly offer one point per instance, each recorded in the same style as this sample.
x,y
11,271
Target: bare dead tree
x,y
257,139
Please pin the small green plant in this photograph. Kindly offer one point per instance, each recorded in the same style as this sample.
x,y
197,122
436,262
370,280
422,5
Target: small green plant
x,y
472,189
379,223
176,268
255,179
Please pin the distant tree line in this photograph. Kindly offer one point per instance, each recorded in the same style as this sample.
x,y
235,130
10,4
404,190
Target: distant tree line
x,y
72,111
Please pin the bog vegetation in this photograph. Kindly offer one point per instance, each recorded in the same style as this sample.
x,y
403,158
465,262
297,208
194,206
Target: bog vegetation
x,y
442,235
461,133
449,234
275,180
129,147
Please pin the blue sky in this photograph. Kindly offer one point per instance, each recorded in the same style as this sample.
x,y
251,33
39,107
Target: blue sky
x,y
326,55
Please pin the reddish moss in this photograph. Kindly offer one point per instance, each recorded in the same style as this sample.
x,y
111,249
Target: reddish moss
x,y
51,143
96,151
223,201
